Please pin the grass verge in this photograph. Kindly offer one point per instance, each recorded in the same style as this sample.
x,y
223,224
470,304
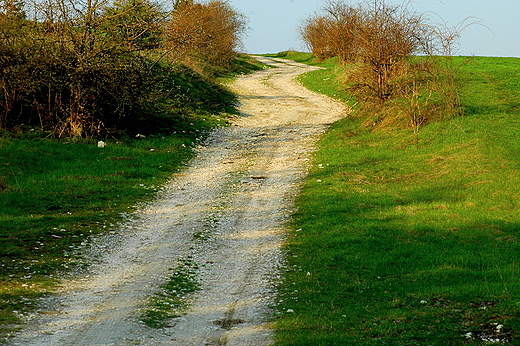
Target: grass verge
x,y
403,245
57,193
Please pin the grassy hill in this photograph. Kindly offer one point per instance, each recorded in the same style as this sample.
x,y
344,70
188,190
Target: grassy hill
x,y
400,244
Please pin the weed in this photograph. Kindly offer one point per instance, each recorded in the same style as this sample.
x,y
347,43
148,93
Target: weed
x,y
173,297
202,235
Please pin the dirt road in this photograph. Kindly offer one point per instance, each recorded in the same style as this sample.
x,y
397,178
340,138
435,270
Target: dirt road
x,y
226,212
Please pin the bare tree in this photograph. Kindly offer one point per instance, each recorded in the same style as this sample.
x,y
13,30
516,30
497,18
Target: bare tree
x,y
394,56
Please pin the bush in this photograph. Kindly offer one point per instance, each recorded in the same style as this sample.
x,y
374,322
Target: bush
x,y
139,23
204,36
51,78
381,42
90,72
332,34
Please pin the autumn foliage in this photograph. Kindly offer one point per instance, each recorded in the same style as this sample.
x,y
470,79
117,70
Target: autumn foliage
x,y
204,36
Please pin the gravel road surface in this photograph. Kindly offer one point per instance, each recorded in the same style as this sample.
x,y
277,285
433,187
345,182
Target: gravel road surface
x,y
227,212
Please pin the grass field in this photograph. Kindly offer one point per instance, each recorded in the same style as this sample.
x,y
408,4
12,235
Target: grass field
x,y
395,244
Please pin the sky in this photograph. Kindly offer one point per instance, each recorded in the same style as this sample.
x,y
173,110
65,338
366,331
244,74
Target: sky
x,y
273,24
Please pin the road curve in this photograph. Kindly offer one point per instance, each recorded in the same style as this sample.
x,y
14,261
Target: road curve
x,y
226,212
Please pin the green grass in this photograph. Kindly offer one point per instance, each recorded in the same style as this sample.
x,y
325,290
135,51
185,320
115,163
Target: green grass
x,y
402,245
244,64
325,80
54,193
171,301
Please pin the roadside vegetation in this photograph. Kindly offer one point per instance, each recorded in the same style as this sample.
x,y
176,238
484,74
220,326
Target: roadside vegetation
x,y
378,41
406,238
74,74
99,69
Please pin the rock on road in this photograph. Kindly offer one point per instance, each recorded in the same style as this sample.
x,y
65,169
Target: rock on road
x,y
226,212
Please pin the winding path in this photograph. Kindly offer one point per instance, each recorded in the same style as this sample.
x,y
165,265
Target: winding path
x,y
226,212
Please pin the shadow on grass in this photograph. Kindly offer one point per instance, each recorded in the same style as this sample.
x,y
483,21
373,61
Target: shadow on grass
x,y
411,269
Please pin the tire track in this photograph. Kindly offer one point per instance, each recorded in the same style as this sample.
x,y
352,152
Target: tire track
x,y
244,179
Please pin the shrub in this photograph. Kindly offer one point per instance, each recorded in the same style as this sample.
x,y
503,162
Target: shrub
x,y
332,34
67,79
316,32
88,71
138,23
381,42
204,36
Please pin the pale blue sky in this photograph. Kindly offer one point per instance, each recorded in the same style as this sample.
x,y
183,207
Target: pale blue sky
x,y
273,23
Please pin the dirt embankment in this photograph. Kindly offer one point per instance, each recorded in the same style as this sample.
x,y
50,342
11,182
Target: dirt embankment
x,y
226,212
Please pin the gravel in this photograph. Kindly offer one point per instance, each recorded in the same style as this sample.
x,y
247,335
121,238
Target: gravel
x,y
227,212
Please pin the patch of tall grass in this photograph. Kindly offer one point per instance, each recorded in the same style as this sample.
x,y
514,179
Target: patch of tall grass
x,y
404,244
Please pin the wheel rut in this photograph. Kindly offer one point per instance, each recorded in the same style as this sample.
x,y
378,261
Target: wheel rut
x,y
227,212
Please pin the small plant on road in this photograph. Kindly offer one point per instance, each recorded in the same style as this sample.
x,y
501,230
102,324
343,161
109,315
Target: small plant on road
x,y
173,297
